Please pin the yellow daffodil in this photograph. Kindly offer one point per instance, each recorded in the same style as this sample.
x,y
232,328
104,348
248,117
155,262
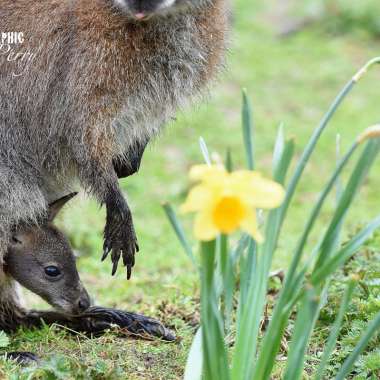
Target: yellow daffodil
x,y
225,202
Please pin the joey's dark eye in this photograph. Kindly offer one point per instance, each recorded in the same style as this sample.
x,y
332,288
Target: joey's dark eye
x,y
52,271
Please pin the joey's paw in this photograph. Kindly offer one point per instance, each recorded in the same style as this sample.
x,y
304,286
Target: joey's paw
x,y
120,239
22,357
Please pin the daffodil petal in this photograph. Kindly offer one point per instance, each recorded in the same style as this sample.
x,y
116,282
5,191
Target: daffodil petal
x,y
266,194
256,190
241,182
246,175
204,172
199,197
249,225
204,228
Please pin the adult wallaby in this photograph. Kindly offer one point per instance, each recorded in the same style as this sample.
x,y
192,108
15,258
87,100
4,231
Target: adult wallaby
x,y
84,85
41,260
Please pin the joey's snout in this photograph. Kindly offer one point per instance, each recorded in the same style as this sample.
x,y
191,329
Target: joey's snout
x,y
73,300
73,303
82,303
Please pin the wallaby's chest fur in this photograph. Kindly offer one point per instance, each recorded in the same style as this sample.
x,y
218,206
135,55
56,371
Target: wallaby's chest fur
x,y
100,79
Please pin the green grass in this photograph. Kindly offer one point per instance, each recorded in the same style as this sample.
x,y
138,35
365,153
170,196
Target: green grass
x,y
290,80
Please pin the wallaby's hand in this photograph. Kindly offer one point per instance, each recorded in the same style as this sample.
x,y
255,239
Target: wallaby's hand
x,y
120,238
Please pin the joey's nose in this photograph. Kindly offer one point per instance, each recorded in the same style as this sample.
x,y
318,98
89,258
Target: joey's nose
x,y
83,304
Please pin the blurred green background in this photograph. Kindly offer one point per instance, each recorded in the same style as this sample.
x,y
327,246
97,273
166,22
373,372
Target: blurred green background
x,y
293,59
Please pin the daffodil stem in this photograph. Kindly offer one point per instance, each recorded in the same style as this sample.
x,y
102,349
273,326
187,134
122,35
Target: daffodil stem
x,y
179,231
214,351
248,131
306,318
229,163
248,265
227,277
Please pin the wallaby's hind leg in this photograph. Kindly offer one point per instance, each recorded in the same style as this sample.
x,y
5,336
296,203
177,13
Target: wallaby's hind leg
x,y
135,324
98,319
119,234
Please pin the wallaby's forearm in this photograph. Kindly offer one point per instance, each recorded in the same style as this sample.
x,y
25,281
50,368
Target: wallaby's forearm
x,y
119,233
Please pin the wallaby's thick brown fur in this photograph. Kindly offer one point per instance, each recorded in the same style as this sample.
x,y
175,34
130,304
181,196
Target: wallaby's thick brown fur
x,y
93,82
40,259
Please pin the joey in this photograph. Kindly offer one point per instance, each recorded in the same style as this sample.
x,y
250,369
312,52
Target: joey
x,y
40,259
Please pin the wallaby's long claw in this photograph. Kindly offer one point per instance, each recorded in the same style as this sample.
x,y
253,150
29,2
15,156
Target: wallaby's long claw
x,y
114,268
106,250
129,259
115,259
104,256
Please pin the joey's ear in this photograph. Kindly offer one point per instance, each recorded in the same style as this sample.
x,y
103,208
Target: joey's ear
x,y
21,237
56,206
17,238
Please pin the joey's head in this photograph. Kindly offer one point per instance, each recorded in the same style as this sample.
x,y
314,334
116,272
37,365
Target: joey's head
x,y
142,10
41,259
